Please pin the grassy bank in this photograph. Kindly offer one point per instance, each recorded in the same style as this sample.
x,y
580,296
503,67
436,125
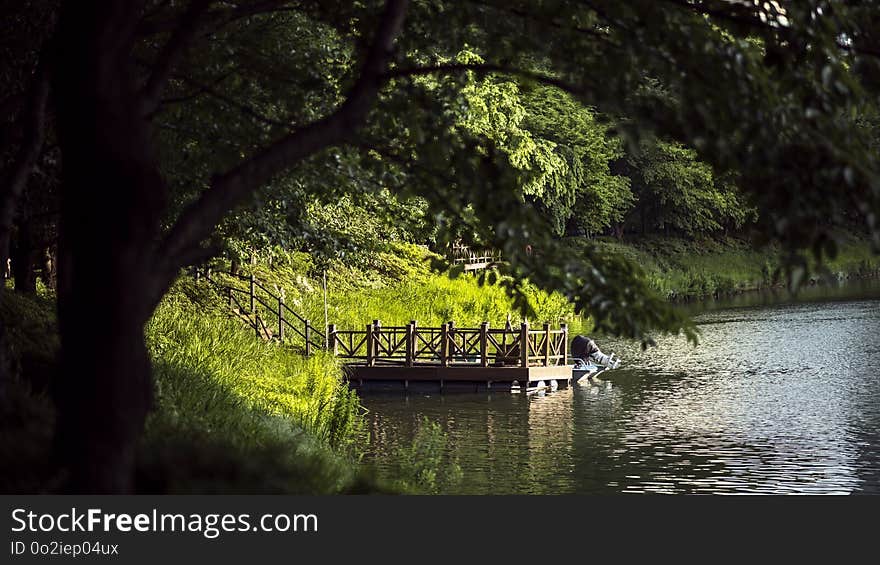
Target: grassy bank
x,y
682,269
259,417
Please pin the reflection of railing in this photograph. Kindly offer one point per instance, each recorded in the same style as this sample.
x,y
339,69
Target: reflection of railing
x,y
474,259
266,313
447,345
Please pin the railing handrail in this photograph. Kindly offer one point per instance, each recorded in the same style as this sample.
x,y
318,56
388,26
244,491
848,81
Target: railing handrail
x,y
274,306
410,344
448,344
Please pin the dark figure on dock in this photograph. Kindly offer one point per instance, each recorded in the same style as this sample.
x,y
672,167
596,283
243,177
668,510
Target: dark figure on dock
x,y
585,348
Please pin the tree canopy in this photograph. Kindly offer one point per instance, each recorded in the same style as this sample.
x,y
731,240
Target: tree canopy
x,y
492,102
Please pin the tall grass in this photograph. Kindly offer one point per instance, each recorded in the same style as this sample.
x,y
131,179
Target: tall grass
x,y
275,420
401,288
219,353
27,416
432,302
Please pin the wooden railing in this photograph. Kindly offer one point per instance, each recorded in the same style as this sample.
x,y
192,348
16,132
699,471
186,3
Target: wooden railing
x,y
473,259
447,345
266,313
409,345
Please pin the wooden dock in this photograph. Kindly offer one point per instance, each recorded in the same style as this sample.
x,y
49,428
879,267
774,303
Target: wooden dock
x,y
451,358
411,357
457,378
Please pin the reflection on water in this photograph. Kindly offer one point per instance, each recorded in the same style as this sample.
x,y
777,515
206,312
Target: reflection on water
x,y
780,398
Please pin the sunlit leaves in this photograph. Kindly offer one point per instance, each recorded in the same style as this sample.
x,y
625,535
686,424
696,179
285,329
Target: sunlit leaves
x,y
784,103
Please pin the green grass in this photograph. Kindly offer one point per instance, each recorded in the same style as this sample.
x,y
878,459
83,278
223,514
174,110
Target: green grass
x,y
681,269
402,288
260,417
426,465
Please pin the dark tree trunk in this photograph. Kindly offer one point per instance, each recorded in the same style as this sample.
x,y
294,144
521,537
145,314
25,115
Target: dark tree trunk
x,y
112,269
50,272
14,180
24,260
112,198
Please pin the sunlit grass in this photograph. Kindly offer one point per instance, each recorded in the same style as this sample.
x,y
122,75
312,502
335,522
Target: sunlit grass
x,y
682,268
219,384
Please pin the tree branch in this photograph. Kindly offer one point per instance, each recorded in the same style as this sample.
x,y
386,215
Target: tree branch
x,y
171,54
246,109
230,188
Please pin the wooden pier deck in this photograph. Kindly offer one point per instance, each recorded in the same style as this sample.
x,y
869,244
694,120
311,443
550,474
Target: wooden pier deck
x,y
425,378
412,357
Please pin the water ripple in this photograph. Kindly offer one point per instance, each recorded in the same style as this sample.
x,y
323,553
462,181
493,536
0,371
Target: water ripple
x,y
776,399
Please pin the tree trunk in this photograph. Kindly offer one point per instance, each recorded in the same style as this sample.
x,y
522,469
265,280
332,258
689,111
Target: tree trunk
x,y
24,260
103,393
12,184
112,197
50,273
111,273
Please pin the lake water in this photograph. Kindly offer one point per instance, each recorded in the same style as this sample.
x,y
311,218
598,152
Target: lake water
x,y
780,396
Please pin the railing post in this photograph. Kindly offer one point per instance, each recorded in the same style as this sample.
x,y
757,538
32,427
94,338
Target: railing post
x,y
230,297
308,333
331,339
370,360
415,341
377,339
252,288
444,345
524,344
410,343
450,352
280,318
546,344
564,348
484,344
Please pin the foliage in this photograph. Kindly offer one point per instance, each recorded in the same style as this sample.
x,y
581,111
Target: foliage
x,y
600,198
560,150
676,190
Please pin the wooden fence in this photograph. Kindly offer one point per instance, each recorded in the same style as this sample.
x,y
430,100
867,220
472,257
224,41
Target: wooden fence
x,y
411,345
267,314
473,260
